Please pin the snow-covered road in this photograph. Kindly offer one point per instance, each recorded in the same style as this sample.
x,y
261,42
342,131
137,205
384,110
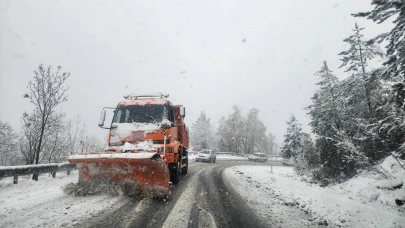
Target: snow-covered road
x,y
201,199
222,194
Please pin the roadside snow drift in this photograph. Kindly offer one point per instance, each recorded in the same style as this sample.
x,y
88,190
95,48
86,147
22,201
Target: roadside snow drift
x,y
226,157
223,157
357,203
43,204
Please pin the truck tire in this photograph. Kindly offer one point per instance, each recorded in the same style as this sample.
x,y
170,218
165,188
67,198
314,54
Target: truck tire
x,y
184,170
175,172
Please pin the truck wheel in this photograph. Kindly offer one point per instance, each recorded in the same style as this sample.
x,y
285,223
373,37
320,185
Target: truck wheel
x,y
175,172
184,170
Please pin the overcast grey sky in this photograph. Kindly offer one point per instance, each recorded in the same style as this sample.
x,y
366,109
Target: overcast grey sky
x,y
208,55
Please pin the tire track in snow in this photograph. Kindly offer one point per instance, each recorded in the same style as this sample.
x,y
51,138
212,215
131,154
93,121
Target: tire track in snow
x,y
180,214
218,205
145,212
161,210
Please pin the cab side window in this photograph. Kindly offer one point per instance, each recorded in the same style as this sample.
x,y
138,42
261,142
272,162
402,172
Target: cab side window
x,y
171,113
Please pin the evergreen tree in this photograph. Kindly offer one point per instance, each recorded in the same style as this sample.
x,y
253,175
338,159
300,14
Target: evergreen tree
x,y
202,132
327,113
292,139
361,95
308,159
326,108
355,59
382,11
393,70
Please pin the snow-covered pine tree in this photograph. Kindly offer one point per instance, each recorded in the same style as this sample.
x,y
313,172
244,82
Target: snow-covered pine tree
x,y
202,132
383,10
292,139
355,60
308,159
327,121
362,95
394,70
327,106
298,146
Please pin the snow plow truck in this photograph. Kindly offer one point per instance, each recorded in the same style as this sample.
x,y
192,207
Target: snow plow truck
x,y
147,146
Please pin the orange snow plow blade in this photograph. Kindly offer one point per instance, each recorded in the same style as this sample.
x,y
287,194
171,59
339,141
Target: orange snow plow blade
x,y
144,172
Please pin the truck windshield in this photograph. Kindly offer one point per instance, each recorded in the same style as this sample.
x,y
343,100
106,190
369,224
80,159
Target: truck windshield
x,y
139,114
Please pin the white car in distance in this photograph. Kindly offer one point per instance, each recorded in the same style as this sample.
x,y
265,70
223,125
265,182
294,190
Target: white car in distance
x,y
206,155
258,157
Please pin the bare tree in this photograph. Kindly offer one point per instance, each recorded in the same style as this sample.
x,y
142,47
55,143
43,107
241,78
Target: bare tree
x,y
243,134
254,134
74,135
46,92
30,134
53,138
273,144
93,144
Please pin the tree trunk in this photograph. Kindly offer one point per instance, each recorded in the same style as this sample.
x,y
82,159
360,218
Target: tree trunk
x,y
35,175
365,82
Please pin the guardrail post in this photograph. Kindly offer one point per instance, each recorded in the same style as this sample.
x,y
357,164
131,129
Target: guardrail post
x,y
53,174
15,179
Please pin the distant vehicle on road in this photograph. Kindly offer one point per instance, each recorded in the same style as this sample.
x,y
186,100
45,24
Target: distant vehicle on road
x,y
258,157
206,155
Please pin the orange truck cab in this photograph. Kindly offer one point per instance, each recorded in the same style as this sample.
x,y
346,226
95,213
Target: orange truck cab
x,y
150,123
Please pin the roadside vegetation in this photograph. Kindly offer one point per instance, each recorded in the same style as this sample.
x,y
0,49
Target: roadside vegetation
x,y
235,133
46,134
357,119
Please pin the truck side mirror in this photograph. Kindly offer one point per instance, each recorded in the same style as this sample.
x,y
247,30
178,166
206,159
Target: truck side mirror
x,y
102,118
182,111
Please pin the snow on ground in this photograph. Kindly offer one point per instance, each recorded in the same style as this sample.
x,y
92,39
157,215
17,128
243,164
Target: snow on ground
x,y
43,204
371,186
227,157
191,156
224,157
344,205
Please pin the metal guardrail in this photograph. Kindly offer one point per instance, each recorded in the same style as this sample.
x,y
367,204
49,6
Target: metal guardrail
x,y
53,168
287,162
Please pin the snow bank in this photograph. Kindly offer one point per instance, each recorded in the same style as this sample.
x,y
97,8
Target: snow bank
x,y
373,185
43,204
230,157
389,184
340,205
220,157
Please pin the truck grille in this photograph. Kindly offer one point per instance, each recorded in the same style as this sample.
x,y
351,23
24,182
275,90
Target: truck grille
x,y
161,141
